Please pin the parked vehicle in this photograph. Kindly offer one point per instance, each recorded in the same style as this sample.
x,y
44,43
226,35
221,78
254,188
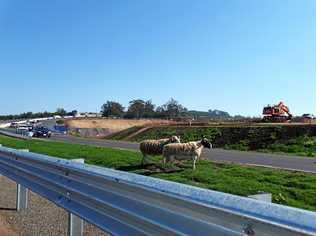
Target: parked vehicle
x,y
14,125
26,127
42,132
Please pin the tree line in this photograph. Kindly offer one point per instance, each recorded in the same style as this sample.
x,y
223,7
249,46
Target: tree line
x,y
138,109
45,114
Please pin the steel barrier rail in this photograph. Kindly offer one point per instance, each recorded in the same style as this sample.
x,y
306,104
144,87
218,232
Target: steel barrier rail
x,y
122,203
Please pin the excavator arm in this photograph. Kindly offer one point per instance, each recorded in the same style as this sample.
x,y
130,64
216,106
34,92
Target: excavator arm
x,y
284,108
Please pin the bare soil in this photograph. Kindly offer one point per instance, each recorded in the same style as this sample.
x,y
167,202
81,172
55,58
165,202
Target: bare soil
x,y
98,127
115,124
5,230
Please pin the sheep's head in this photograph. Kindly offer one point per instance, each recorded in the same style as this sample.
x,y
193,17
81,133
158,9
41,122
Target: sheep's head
x,y
174,139
206,143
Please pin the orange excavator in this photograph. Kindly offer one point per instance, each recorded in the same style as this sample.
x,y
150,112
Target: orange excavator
x,y
277,113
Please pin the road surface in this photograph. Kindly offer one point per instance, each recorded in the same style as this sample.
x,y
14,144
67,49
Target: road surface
x,y
218,155
306,164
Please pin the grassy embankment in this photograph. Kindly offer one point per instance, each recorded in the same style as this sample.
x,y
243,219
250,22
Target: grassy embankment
x,y
289,188
297,140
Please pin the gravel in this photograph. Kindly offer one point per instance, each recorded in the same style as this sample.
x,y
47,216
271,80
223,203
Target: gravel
x,y
4,229
41,218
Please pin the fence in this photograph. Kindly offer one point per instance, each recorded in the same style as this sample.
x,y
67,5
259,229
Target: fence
x,y
122,203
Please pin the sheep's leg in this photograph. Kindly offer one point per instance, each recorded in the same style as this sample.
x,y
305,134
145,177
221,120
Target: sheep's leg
x,y
164,162
194,161
166,159
144,160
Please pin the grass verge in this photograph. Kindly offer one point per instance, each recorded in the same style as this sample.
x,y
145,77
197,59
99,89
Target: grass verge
x,y
288,140
295,189
302,146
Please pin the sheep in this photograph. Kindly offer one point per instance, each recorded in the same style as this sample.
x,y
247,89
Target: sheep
x,y
185,151
154,147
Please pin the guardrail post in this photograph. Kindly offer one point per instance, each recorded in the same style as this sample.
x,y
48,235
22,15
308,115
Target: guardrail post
x,y
262,196
22,194
0,146
75,223
75,227
21,198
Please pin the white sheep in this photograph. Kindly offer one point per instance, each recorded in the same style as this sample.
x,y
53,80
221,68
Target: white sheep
x,y
185,151
154,147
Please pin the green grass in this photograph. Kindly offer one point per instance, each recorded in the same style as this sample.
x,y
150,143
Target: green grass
x,y
122,135
301,146
186,133
295,189
107,157
288,140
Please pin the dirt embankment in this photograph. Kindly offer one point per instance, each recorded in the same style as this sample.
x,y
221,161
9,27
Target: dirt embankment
x,y
99,127
254,137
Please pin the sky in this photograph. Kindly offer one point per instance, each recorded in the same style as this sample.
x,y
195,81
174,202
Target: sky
x,y
233,55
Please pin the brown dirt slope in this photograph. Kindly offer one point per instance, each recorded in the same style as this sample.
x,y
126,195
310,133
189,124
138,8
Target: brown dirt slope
x,y
115,124
98,127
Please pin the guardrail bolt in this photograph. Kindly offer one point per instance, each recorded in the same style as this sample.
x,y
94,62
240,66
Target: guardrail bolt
x,y
68,196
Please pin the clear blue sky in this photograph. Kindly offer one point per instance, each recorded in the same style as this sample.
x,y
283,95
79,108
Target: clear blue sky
x,y
235,55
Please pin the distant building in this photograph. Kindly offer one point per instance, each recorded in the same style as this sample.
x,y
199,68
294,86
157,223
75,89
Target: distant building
x,y
87,115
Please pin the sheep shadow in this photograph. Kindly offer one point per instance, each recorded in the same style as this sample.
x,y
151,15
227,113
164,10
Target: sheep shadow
x,y
150,169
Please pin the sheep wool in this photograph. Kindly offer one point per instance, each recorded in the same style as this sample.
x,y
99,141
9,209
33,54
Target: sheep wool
x,y
185,151
155,147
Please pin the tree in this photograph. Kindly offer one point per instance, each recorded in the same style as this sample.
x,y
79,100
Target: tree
x,y
139,108
73,113
61,112
111,108
173,109
160,112
136,109
149,111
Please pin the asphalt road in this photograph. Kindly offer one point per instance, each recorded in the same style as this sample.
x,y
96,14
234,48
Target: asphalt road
x,y
218,155
96,142
305,164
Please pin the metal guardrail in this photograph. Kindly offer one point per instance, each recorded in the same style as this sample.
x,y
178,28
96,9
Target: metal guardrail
x,y
14,135
123,203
